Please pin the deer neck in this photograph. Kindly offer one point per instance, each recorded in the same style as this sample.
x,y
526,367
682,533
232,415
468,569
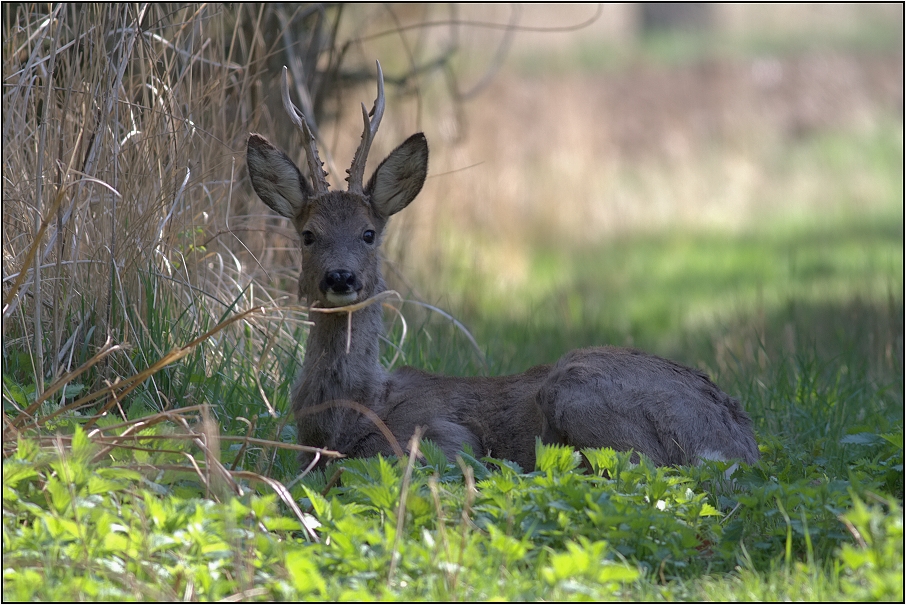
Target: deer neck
x,y
342,357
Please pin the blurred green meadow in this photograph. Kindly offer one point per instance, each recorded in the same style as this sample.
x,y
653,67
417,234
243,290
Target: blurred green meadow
x,y
677,203
722,186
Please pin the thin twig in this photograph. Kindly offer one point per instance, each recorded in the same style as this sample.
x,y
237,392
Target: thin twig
x,y
483,25
245,441
398,347
401,509
456,323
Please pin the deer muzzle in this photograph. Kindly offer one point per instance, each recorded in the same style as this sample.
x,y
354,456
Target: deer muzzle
x,y
340,287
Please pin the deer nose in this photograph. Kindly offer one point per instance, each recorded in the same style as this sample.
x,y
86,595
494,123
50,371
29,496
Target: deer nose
x,y
340,282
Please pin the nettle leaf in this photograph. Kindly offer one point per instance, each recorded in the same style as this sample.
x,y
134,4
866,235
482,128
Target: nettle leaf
x,y
15,391
60,494
708,511
304,573
116,542
319,503
71,470
61,528
497,484
506,467
508,546
288,524
17,470
71,391
862,439
418,505
339,509
261,506
364,471
589,561
616,572
604,461
141,456
434,456
82,447
388,472
556,459
26,450
479,470
894,438
98,484
382,497
119,473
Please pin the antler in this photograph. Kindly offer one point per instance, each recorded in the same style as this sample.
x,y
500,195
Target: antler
x,y
357,170
315,165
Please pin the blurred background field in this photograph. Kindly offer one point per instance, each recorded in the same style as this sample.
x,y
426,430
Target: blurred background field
x,y
718,184
704,188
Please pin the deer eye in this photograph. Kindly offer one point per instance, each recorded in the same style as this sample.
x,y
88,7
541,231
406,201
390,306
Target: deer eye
x,y
369,236
308,238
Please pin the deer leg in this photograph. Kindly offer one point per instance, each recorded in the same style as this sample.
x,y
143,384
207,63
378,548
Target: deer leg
x,y
451,437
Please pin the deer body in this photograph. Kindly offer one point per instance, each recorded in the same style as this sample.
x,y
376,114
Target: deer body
x,y
598,397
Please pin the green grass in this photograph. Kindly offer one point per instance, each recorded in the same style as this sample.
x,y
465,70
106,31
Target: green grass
x,y
665,292
821,240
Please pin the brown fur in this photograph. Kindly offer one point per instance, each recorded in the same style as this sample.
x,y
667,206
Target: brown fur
x,y
605,396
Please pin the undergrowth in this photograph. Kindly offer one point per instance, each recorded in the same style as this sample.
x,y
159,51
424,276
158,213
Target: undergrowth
x,y
81,524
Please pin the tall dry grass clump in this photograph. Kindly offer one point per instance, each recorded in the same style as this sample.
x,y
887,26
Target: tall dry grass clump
x,y
127,225
130,234
121,125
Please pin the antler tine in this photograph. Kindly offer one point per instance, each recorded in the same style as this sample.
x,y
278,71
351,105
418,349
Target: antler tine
x,y
357,170
315,165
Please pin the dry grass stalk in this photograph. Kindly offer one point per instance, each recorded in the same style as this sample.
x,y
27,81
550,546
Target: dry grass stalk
x,y
414,442
130,433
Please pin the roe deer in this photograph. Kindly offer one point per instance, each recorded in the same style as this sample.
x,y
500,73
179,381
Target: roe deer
x,y
607,396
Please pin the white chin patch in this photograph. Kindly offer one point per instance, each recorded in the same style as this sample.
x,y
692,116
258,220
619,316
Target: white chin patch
x,y
341,300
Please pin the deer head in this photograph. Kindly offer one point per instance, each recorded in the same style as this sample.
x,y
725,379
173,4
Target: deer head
x,y
340,231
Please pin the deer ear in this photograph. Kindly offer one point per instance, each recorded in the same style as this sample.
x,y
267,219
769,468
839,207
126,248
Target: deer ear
x,y
400,176
276,179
